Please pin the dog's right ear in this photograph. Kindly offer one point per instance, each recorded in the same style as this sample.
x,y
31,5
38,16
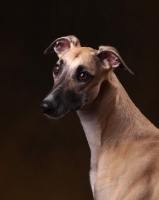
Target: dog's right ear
x,y
62,45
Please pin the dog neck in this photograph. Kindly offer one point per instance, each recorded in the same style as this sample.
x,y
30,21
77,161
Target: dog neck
x,y
111,118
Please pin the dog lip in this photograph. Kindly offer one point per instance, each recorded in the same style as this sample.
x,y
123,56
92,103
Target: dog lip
x,y
57,115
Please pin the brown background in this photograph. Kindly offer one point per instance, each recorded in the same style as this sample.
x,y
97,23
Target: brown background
x,y
42,159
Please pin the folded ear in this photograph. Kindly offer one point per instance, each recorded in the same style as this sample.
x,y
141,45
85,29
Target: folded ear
x,y
110,55
62,45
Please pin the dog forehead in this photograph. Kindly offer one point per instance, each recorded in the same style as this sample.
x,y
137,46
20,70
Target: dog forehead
x,y
79,56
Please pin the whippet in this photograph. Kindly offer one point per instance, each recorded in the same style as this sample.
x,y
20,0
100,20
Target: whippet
x,y
124,144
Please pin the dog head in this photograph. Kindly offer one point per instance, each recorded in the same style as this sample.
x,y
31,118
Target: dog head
x,y
78,75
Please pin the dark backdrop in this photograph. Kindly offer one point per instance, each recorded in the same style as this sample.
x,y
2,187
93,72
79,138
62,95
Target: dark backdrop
x,y
42,159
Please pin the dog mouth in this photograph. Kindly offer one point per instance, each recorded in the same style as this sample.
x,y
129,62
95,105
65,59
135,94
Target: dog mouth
x,y
60,112
56,116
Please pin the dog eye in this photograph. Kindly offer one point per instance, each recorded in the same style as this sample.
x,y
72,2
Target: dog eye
x,y
83,76
56,69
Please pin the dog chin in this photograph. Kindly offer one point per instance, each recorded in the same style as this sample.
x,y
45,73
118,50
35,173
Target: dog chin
x,y
56,116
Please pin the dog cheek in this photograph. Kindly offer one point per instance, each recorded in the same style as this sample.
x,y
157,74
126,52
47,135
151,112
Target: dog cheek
x,y
93,93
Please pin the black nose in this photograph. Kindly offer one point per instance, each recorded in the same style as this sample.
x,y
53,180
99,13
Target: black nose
x,y
47,108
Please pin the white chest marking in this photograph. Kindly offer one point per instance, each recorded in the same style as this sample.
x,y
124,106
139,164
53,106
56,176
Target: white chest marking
x,y
93,134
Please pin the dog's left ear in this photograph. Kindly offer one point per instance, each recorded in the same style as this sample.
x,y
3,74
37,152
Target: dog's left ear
x,y
62,45
108,54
